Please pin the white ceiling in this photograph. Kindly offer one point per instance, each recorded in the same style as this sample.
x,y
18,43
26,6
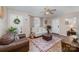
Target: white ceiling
x,y
36,10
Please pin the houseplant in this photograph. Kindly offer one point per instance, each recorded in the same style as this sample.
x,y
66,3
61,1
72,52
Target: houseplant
x,y
48,27
48,35
12,32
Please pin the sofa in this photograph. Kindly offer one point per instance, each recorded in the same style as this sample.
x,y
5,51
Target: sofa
x,y
18,45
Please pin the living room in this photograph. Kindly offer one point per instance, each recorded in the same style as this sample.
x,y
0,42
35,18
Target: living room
x,y
30,23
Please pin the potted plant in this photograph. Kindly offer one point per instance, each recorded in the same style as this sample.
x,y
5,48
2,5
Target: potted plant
x,y
48,36
48,29
12,32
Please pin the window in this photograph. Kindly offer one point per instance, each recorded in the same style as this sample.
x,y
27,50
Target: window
x,y
20,27
37,28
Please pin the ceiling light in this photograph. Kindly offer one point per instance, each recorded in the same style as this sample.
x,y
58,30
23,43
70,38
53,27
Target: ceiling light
x,y
47,13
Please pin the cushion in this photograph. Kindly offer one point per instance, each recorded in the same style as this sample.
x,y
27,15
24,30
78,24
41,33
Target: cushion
x,y
6,39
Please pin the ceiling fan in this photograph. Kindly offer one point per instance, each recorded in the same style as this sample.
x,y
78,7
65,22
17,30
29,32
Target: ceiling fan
x,y
48,11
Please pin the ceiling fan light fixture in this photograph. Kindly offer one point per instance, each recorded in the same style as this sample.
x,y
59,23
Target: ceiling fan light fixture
x,y
47,13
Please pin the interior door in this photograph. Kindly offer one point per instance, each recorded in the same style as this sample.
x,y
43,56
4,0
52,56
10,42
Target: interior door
x,y
55,26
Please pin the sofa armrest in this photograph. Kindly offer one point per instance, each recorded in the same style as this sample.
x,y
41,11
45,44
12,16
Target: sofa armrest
x,y
14,45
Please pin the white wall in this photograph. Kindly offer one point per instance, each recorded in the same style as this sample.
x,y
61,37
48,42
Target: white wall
x,y
73,20
63,27
24,18
3,23
77,26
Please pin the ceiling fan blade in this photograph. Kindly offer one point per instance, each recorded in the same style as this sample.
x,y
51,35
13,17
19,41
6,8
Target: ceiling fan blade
x,y
53,10
47,11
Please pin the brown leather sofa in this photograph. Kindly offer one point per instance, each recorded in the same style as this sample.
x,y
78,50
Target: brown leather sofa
x,y
20,45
